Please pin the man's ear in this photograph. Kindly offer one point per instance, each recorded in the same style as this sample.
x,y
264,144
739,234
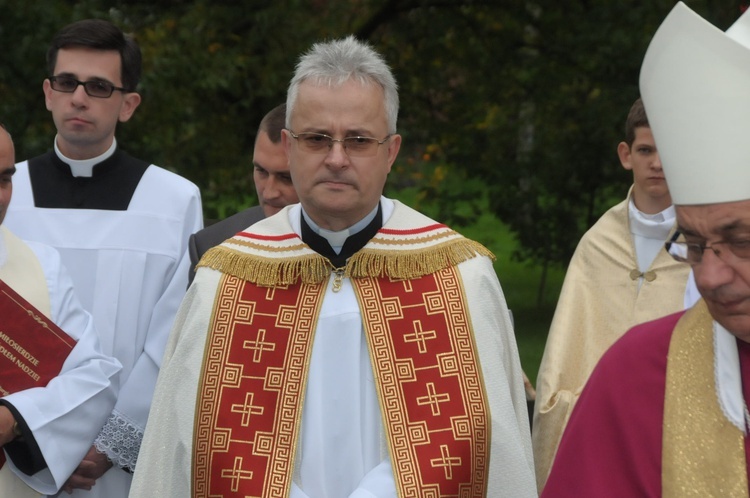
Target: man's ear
x,y
47,89
394,145
623,152
130,103
286,142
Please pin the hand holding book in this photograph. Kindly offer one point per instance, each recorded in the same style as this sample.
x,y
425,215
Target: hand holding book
x,y
32,348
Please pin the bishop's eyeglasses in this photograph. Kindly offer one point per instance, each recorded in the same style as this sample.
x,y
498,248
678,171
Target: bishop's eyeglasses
x,y
730,250
355,146
94,88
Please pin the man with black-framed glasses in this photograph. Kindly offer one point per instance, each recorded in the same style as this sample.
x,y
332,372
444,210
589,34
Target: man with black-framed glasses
x,y
121,225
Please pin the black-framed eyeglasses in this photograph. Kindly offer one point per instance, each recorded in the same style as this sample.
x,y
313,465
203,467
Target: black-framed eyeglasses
x,y
94,88
692,252
356,146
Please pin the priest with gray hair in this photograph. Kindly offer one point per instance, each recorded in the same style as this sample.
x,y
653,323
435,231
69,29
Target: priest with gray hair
x,y
347,346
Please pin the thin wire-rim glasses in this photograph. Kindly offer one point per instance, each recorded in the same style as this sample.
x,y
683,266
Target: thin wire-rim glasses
x,y
355,146
692,252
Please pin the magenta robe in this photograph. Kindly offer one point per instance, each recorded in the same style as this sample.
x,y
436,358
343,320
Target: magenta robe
x,y
612,444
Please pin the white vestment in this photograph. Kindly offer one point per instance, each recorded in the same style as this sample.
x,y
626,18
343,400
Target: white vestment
x,y
130,271
65,416
342,449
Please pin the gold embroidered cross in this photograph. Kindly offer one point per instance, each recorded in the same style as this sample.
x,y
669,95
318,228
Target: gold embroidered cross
x,y
446,461
236,474
259,345
247,409
433,399
420,336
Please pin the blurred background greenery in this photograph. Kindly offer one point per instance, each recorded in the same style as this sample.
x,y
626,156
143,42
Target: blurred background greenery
x,y
531,296
511,110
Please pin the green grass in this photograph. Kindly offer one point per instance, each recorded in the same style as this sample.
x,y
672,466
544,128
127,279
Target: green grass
x,y
520,282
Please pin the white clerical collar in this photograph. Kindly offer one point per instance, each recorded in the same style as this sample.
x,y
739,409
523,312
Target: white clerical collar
x,y
652,226
85,167
336,239
729,377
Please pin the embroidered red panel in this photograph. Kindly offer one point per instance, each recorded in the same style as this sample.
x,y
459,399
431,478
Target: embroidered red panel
x,y
252,387
425,360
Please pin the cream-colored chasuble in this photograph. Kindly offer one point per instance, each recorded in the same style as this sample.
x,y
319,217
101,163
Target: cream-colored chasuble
x,y
423,354
25,275
412,266
598,303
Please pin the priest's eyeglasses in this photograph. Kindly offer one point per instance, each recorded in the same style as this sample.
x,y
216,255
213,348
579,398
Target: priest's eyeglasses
x,y
692,252
356,146
94,88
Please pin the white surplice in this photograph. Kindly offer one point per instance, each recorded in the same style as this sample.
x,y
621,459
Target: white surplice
x,y
65,416
130,269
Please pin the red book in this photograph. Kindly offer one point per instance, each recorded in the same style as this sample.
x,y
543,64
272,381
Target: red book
x,y
32,348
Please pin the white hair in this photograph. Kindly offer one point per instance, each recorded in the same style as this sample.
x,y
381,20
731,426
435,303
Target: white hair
x,y
335,62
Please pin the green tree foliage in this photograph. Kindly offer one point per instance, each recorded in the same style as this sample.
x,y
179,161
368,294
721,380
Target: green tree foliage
x,y
514,105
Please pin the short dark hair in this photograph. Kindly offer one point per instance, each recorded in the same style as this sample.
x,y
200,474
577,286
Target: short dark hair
x,y
636,119
272,123
100,34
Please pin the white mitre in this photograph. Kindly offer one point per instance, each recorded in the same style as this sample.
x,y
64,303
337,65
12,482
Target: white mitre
x,y
695,86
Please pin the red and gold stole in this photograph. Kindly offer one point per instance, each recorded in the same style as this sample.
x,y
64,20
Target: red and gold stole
x,y
429,383
417,323
252,386
425,362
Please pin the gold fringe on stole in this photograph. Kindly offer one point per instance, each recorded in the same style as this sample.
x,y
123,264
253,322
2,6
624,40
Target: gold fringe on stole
x,y
313,268
403,265
267,272
703,453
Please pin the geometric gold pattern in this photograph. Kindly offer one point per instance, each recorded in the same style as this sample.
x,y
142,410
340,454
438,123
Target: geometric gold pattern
x,y
252,385
426,369
421,346
429,383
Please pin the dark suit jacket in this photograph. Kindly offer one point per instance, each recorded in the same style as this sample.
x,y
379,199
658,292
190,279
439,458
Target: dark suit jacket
x,y
213,235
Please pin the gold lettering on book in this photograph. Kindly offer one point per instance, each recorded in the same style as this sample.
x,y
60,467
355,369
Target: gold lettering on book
x,y
13,344
27,370
13,359
7,354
